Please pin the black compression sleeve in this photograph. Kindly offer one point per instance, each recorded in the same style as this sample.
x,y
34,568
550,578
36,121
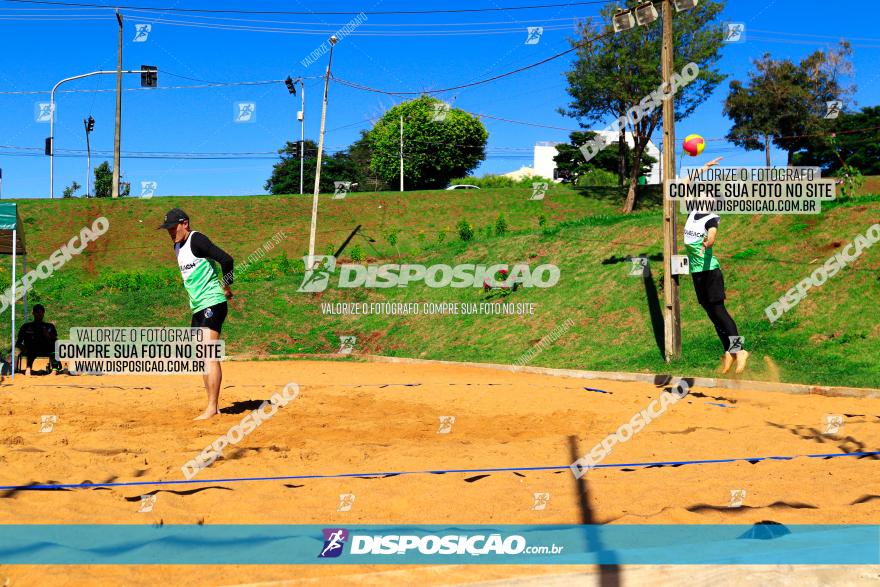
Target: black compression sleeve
x,y
203,247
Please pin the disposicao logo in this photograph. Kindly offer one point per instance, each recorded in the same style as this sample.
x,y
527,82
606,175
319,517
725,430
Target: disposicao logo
x,y
334,541
317,279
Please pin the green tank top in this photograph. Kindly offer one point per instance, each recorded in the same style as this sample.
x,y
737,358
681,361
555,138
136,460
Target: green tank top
x,y
200,278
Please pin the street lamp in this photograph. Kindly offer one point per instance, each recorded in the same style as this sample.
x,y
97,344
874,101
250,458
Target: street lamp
x,y
50,141
89,124
684,4
645,13
623,21
311,263
291,87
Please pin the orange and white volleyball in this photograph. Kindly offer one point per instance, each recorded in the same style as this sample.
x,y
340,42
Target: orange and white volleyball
x,y
694,145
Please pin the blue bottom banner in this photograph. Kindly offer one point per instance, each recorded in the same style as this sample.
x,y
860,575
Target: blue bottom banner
x,y
765,543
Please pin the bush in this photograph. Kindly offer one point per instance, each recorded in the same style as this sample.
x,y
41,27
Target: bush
x,y
597,177
501,226
465,230
357,254
500,181
853,180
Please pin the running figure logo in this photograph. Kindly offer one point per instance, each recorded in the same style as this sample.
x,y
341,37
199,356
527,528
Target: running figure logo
x,y
734,32
147,503
245,112
317,278
539,189
148,189
334,542
346,501
737,498
43,112
736,344
639,267
541,501
534,35
340,189
441,109
833,423
47,423
346,344
446,423
832,109
142,32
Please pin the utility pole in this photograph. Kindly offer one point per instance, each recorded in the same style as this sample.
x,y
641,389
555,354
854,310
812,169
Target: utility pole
x,y
672,308
117,137
401,153
300,116
302,135
311,259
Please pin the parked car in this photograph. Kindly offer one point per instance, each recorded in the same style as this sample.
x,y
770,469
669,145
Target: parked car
x,y
462,186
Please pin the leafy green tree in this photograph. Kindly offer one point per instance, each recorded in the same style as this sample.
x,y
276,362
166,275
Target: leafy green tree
x,y
853,139
104,182
784,102
572,165
285,173
335,167
438,144
615,72
70,191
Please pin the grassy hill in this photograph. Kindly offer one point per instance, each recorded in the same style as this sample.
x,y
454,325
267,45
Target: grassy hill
x,y
129,278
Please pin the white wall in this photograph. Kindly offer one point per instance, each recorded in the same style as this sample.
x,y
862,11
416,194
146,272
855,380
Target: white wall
x,y
545,151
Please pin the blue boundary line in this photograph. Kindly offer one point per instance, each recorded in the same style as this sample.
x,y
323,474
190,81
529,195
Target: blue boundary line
x,y
432,472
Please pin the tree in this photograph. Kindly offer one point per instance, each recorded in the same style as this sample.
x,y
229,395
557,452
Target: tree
x,y
784,101
339,166
571,164
104,182
70,191
854,140
615,72
285,173
438,144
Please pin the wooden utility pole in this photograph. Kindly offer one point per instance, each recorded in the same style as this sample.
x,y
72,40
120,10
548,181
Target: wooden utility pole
x,y
672,308
314,224
401,153
118,131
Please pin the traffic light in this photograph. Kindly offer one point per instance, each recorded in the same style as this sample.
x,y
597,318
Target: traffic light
x,y
149,76
90,124
48,145
291,86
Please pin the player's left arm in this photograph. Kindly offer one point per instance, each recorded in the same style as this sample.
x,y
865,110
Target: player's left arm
x,y
203,247
712,233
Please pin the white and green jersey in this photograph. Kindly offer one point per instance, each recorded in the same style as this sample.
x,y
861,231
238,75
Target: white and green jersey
x,y
200,278
695,230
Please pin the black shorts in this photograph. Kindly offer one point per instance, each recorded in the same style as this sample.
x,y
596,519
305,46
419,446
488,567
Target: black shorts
x,y
211,317
709,286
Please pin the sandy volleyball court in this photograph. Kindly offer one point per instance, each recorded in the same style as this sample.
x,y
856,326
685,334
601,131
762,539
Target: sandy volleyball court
x,y
374,418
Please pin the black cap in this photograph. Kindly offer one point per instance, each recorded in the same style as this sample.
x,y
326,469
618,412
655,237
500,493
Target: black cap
x,y
174,217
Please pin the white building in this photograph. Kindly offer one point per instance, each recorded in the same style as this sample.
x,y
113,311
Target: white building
x,y
545,151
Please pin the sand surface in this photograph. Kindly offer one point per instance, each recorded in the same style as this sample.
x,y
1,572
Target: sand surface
x,y
357,417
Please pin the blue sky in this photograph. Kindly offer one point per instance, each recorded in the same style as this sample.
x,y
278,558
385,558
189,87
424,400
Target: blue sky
x,y
42,44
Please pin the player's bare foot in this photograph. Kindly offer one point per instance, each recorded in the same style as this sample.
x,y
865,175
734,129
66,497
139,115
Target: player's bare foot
x,y
726,362
208,413
27,371
741,358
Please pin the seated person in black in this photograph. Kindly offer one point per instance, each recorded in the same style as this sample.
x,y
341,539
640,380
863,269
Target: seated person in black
x,y
37,339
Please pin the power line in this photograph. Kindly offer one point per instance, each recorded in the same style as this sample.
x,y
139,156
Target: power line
x,y
307,12
362,87
327,32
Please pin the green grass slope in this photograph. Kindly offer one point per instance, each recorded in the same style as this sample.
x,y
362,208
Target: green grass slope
x,y
129,278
